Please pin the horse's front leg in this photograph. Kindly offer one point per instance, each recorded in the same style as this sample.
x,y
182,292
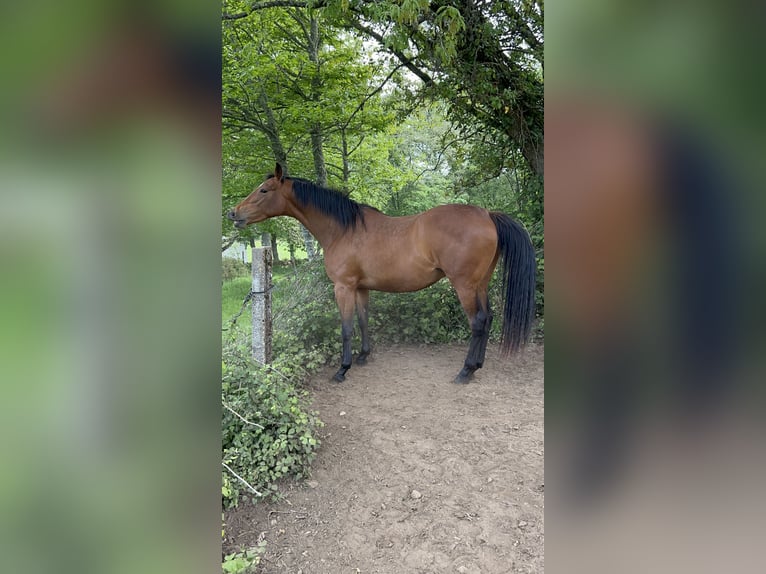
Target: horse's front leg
x,y
345,296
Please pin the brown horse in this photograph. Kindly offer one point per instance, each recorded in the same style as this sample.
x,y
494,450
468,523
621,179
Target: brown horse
x,y
365,249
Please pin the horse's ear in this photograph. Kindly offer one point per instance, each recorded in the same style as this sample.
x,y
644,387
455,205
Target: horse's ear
x,y
278,172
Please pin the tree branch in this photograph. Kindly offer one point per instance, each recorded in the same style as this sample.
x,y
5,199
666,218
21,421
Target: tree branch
x,y
407,62
353,22
370,95
229,242
242,480
270,4
292,38
356,147
240,417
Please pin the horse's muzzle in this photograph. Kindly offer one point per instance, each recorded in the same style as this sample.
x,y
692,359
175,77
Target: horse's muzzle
x,y
238,223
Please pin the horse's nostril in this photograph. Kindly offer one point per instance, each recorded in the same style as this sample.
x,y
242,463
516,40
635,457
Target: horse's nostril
x,y
230,215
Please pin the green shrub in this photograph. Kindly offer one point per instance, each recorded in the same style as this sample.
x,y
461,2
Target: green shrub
x,y
307,322
232,268
278,434
244,562
306,333
433,315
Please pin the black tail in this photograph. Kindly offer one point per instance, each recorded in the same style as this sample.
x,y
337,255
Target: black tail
x,y
519,266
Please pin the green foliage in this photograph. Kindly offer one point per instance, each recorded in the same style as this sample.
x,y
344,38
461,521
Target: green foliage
x,y
268,430
311,336
244,562
306,332
307,323
232,268
433,315
269,71
484,59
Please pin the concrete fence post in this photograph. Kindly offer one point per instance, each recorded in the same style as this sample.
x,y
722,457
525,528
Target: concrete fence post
x,y
262,304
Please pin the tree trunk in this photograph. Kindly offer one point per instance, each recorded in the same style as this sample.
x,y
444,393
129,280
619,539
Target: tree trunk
x,y
274,251
308,242
272,133
320,168
317,139
269,240
344,152
533,151
523,117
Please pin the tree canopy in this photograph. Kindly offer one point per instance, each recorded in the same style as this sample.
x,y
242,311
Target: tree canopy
x,y
483,57
404,104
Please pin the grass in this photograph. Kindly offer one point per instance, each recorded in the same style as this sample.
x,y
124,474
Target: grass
x,y
284,252
233,293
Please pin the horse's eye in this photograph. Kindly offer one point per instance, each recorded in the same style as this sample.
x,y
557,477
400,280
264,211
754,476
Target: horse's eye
x,y
264,190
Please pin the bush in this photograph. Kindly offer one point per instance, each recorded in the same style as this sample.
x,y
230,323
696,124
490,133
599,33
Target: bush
x,y
307,322
433,315
244,562
268,431
306,333
232,268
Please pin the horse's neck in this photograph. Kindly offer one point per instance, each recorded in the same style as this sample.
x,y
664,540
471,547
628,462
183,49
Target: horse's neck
x,y
323,227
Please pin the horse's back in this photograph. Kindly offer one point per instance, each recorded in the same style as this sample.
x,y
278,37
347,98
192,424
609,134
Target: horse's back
x,y
453,220
446,225
455,211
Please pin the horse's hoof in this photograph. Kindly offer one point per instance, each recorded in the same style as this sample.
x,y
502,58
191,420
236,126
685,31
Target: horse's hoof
x,y
462,379
339,378
361,360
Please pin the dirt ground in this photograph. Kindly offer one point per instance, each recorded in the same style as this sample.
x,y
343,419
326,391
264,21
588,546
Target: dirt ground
x,y
415,474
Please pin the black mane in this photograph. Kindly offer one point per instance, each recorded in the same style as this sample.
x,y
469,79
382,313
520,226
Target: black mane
x,y
329,201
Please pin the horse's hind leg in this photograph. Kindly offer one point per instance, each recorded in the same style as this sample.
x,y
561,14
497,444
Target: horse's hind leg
x,y
483,302
362,311
483,345
480,319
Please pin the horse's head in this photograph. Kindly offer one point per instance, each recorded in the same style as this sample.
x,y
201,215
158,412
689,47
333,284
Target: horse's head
x,y
267,200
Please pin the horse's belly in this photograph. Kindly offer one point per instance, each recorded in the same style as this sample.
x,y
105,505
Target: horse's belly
x,y
400,282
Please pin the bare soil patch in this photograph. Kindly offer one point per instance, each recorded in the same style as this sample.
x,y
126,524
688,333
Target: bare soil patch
x,y
415,474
